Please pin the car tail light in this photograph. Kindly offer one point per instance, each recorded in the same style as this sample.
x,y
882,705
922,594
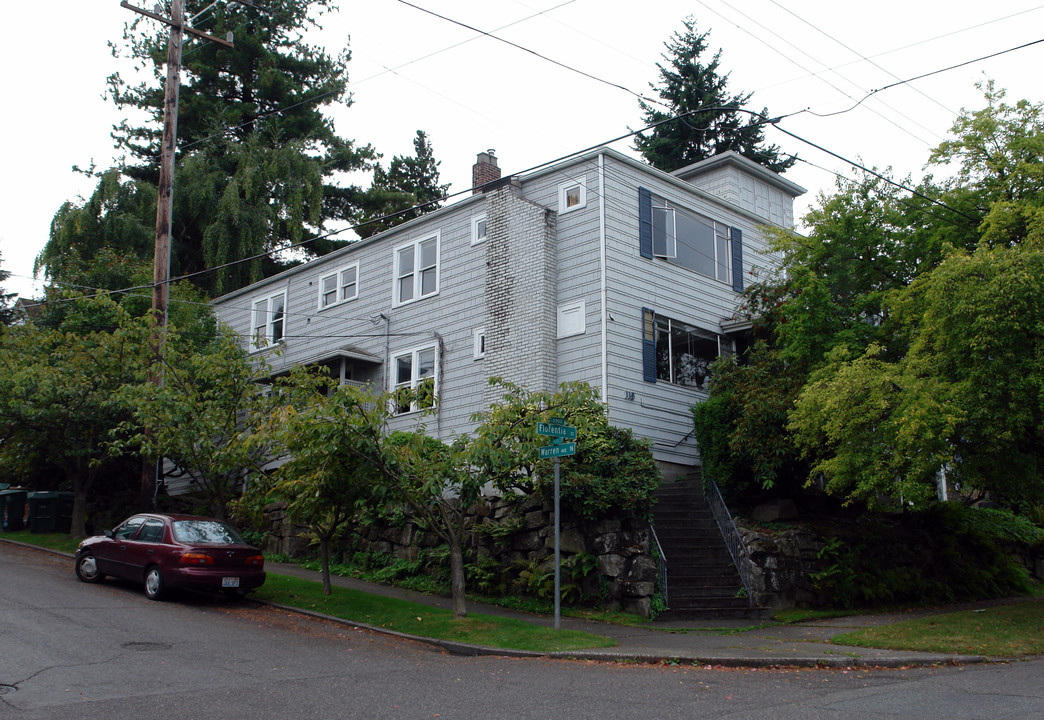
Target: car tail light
x,y
196,558
256,561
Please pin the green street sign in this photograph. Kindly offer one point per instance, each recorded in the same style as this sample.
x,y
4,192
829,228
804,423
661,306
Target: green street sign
x,y
566,432
553,451
557,421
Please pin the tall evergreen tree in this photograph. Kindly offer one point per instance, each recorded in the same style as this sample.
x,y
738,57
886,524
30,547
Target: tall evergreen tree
x,y
6,300
717,122
407,189
257,158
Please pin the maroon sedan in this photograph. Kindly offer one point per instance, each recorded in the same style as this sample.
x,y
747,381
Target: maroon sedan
x,y
173,551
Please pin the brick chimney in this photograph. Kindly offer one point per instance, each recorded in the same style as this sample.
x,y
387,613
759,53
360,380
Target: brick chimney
x,y
485,170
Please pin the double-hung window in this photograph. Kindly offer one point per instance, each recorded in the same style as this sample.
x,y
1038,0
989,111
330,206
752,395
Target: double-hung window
x,y
679,353
414,385
417,270
690,240
338,287
268,318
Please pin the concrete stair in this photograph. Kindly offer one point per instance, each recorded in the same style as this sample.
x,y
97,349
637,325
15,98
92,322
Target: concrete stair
x,y
702,582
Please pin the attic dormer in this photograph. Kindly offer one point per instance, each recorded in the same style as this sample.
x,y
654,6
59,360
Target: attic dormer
x,y
744,183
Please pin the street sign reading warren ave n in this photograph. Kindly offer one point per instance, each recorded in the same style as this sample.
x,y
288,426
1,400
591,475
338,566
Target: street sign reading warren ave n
x,y
560,450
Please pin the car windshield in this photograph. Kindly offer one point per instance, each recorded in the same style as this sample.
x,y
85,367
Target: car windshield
x,y
207,532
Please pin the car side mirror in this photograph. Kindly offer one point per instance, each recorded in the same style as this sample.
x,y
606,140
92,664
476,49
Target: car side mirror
x,y
110,534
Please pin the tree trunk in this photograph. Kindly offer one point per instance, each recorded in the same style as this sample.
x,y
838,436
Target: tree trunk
x,y
324,558
457,577
82,482
78,528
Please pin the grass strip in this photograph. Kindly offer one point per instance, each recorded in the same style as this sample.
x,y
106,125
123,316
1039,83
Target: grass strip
x,y
423,620
51,541
1001,631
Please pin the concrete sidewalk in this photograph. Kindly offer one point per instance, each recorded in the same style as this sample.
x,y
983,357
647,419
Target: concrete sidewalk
x,y
716,643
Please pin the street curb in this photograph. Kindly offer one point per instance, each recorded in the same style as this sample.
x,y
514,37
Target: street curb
x,y
653,658
451,646
29,546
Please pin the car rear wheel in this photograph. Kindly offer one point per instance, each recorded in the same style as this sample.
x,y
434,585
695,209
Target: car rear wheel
x,y
154,583
87,568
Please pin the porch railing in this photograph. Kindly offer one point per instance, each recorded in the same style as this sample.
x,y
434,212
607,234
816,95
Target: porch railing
x,y
662,564
730,534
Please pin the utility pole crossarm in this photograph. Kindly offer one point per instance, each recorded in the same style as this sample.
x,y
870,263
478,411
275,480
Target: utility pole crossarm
x,y
186,28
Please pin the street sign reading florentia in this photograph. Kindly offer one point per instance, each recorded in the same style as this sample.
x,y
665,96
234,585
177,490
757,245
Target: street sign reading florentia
x,y
554,430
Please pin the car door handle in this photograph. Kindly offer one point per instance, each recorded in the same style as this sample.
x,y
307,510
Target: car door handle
x,y
151,551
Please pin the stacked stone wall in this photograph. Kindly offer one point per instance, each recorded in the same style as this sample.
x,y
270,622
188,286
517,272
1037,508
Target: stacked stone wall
x,y
624,577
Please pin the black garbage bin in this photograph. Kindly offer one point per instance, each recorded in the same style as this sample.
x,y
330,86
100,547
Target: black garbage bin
x,y
12,509
43,512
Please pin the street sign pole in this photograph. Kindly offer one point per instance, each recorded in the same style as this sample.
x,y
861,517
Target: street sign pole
x,y
558,431
558,552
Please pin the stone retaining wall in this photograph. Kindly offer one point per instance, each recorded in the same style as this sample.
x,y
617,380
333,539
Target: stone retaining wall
x,y
516,533
782,563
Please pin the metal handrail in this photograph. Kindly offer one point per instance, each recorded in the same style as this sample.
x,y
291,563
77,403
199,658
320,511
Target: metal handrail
x,y
730,534
662,563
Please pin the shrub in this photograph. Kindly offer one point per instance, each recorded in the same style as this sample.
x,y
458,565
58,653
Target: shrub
x,y
941,554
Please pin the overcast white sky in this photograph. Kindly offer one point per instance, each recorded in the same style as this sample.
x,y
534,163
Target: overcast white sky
x,y
411,71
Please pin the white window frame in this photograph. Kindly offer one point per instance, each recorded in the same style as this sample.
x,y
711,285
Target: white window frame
x,y
572,319
414,354
475,223
416,276
267,330
668,249
563,195
339,286
478,339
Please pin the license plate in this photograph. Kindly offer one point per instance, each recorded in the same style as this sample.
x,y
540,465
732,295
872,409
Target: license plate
x,y
229,582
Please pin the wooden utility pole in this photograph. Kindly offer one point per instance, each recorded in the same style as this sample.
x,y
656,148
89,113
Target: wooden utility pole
x,y
165,208
165,203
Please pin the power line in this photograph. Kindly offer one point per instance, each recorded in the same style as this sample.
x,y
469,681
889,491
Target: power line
x,y
817,75
877,174
858,54
929,74
532,52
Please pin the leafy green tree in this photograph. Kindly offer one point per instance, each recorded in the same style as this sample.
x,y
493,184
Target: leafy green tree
x,y
611,472
318,434
107,268
998,152
714,120
60,394
119,219
202,417
741,430
902,331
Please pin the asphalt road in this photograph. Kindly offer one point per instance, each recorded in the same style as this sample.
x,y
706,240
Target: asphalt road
x,y
69,650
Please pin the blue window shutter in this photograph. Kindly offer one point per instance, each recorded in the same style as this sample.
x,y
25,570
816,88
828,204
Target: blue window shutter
x,y
648,345
737,259
645,227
